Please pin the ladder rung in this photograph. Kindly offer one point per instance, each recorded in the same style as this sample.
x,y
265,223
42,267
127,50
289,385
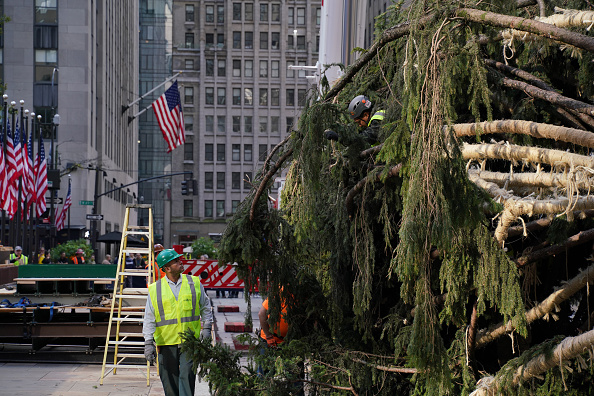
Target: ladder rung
x,y
131,355
134,273
131,296
137,320
132,231
131,334
136,250
138,206
134,227
131,313
130,366
131,343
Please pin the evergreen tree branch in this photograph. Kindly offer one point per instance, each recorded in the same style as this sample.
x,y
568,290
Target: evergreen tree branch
x,y
389,369
567,349
543,223
472,329
525,3
544,30
575,240
534,129
345,388
368,179
548,305
274,150
265,180
535,180
371,151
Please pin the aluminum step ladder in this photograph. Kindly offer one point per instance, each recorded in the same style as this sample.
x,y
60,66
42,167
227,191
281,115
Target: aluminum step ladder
x,y
127,304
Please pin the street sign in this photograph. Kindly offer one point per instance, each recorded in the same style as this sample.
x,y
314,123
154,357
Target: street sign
x,y
89,203
57,201
94,217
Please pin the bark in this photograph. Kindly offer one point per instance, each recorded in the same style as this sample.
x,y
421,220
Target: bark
x,y
371,151
530,179
523,153
534,129
575,240
531,226
390,369
567,349
472,328
274,150
564,292
367,179
544,30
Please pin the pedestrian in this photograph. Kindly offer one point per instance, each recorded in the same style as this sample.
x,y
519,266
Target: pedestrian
x,y
41,255
79,257
92,260
18,258
107,259
273,335
47,259
361,111
63,259
175,303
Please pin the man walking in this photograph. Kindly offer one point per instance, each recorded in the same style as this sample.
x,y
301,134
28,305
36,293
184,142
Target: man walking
x,y
175,303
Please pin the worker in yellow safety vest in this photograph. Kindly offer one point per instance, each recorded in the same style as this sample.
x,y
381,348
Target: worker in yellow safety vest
x,y
175,303
18,258
361,111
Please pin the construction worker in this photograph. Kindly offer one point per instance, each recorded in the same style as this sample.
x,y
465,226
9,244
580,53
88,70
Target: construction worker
x,y
360,110
175,304
18,258
79,257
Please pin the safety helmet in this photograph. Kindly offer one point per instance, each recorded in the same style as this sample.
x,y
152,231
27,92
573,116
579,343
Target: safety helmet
x,y
80,251
358,105
166,256
158,248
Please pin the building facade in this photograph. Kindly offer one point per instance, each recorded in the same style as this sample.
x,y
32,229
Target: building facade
x,y
79,59
240,99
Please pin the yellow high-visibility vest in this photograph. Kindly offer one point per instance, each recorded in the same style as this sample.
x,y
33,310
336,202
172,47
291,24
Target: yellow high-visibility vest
x,y
175,316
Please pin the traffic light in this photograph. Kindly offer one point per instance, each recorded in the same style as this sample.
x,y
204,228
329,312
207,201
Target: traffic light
x,y
184,189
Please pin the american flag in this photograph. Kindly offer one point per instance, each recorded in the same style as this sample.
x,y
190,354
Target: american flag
x,y
40,179
170,117
10,204
3,177
18,152
31,194
62,217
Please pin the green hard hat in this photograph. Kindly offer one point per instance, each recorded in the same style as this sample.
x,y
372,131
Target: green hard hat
x,y
166,256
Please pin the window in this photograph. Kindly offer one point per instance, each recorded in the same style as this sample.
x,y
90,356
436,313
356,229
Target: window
x,y
220,14
247,180
45,61
319,16
237,96
247,125
221,124
289,124
234,206
318,43
189,13
209,67
208,152
189,64
274,124
209,95
249,12
235,152
274,69
208,208
221,95
236,40
235,180
220,180
210,13
300,42
290,97
263,12
263,124
301,97
300,16
275,96
236,68
262,152
188,151
209,123
275,40
189,123
188,208
249,40
209,41
263,68
237,11
291,42
220,208
221,152
189,40
301,73
263,96
188,95
220,41
275,13
208,180
221,67
248,68
247,153
291,16
236,123
248,99
263,40
290,72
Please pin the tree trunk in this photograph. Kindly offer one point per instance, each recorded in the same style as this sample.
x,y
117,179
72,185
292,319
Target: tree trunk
x,y
575,240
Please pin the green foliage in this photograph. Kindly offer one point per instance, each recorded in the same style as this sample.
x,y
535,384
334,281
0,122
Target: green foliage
x,y
70,248
202,246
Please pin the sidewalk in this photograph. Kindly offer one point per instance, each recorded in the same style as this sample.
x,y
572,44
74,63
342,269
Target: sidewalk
x,y
45,379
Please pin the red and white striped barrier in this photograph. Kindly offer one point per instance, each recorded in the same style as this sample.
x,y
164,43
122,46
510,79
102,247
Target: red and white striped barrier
x,y
217,278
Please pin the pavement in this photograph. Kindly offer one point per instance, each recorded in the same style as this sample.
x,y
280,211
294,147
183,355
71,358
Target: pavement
x,y
45,379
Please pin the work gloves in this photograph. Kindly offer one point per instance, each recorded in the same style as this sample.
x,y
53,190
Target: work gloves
x,y
150,352
330,134
205,333
271,341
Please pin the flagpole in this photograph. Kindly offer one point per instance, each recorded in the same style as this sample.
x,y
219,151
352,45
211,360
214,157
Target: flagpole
x,y
13,240
4,118
69,189
124,108
20,235
37,129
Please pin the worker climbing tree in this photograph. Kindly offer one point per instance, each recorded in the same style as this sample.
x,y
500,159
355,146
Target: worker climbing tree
x,y
453,257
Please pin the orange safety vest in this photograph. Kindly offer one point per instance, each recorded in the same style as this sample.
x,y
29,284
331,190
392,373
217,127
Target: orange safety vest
x,y
75,260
